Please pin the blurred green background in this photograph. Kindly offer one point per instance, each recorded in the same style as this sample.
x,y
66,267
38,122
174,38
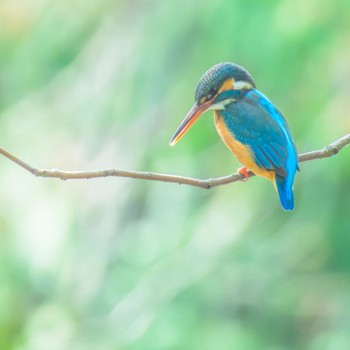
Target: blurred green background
x,y
128,264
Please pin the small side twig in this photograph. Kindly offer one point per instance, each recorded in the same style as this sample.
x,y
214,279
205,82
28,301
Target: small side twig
x,y
325,152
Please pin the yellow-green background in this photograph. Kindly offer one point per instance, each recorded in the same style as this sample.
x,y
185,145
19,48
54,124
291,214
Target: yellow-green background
x,y
127,264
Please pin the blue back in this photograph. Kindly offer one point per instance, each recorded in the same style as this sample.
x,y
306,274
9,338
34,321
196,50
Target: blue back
x,y
255,122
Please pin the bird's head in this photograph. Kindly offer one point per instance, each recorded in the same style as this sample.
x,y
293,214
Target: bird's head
x,y
214,91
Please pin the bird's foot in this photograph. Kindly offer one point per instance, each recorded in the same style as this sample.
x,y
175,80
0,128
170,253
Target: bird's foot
x,y
243,171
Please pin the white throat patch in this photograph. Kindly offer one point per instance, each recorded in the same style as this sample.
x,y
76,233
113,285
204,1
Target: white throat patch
x,y
222,104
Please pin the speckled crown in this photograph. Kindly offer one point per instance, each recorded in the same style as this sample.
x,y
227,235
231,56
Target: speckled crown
x,y
212,80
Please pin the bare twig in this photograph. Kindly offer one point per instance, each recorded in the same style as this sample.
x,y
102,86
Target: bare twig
x,y
325,152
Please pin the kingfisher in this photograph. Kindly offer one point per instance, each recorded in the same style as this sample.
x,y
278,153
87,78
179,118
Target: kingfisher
x,y
253,129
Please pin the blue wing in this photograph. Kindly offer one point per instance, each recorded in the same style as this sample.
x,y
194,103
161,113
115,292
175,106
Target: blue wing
x,y
257,123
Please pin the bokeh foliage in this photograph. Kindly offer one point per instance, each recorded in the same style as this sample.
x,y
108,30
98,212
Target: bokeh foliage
x,y
124,264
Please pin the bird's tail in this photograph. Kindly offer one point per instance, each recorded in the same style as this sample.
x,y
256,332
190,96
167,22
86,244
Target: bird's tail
x,y
285,192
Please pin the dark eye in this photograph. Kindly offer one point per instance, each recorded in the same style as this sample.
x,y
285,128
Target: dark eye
x,y
210,94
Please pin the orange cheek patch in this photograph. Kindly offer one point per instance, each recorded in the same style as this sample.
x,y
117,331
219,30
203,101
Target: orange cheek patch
x,y
227,85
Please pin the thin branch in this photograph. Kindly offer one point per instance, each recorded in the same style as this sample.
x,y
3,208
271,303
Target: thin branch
x,y
325,152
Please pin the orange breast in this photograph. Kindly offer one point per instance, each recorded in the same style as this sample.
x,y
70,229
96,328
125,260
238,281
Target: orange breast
x,y
242,152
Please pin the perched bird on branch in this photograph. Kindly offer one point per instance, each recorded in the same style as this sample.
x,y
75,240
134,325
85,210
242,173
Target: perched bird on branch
x,y
249,124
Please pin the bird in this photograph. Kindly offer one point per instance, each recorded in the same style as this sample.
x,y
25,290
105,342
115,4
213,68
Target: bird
x,y
252,128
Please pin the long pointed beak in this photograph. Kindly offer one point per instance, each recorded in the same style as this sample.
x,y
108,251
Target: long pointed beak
x,y
189,120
